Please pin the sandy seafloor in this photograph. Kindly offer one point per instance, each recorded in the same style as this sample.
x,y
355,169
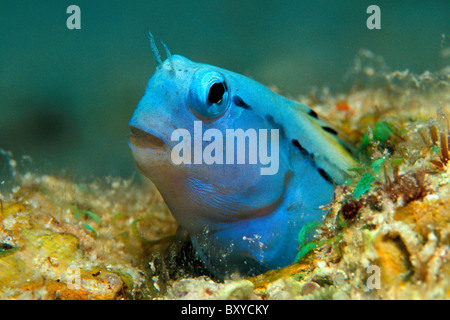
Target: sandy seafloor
x,y
386,236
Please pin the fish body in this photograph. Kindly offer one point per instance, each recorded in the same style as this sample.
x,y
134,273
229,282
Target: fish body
x,y
239,219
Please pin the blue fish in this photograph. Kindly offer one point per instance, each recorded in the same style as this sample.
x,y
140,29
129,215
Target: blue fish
x,y
239,218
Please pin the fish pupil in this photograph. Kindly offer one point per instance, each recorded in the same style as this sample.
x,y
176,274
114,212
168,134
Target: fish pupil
x,y
216,93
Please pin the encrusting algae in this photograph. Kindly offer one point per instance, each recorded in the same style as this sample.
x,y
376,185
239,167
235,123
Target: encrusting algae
x,y
387,235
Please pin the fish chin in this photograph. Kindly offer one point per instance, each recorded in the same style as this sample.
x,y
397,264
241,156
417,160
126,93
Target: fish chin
x,y
150,158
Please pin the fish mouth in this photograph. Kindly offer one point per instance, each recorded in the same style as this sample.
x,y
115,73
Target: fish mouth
x,y
142,139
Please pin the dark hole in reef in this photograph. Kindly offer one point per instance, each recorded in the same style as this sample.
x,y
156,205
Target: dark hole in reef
x,y
350,209
179,260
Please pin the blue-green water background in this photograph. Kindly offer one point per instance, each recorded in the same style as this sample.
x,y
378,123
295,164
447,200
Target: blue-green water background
x,y
66,95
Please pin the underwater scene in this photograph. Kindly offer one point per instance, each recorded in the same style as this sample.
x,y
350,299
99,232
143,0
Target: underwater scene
x,y
224,150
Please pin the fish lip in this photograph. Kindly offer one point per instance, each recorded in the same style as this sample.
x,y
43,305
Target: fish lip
x,y
139,138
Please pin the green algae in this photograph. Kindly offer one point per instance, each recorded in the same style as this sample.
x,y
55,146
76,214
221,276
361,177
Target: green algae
x,y
363,185
305,248
89,228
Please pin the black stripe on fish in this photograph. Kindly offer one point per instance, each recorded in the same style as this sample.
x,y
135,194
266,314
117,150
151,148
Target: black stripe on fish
x,y
305,153
241,103
325,175
297,144
274,124
313,114
330,130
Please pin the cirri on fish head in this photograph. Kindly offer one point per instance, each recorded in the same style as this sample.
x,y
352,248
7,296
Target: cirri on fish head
x,y
242,215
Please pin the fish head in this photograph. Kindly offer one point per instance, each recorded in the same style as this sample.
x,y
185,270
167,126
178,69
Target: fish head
x,y
199,136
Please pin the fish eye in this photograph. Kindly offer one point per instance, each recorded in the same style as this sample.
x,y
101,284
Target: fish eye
x,y
216,92
208,95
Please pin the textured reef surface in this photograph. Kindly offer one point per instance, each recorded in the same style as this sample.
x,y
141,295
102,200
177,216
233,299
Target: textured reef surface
x,y
387,235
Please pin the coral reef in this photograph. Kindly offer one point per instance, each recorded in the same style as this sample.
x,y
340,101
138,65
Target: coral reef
x,y
62,240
